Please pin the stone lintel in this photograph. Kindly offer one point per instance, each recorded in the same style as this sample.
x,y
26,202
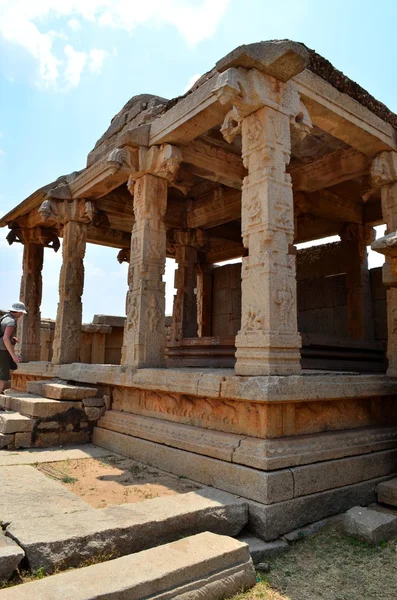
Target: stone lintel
x,y
343,117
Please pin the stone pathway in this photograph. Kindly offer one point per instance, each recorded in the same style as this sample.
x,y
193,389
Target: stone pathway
x,y
55,529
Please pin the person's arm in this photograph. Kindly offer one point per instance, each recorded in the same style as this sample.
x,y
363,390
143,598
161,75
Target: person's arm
x,y
8,344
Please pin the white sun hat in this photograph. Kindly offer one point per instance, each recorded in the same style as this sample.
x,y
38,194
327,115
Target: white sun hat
x,y
18,307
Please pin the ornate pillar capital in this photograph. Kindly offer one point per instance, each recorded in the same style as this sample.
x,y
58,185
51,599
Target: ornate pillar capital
x,y
62,211
161,161
248,90
384,169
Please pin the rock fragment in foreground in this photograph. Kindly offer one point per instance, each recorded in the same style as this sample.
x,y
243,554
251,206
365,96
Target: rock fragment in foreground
x,y
10,557
370,525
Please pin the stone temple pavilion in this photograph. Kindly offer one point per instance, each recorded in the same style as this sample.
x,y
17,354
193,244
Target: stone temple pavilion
x,y
276,378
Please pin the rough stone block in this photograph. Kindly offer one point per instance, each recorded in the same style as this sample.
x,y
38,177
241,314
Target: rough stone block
x,y
91,402
370,525
202,566
10,556
48,425
272,521
43,440
61,541
387,492
23,440
74,437
93,413
261,550
60,391
5,439
265,487
13,422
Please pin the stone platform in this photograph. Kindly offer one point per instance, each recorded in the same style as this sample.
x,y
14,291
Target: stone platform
x,y
298,448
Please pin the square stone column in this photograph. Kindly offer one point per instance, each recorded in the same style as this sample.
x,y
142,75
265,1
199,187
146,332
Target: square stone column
x,y
355,238
31,293
184,314
384,176
67,336
204,298
268,342
144,332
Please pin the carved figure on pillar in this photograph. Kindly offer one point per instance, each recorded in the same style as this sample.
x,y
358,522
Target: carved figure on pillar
x,y
144,333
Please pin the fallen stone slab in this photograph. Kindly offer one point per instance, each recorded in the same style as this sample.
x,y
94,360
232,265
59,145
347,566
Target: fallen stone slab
x,y
13,422
202,566
370,525
260,550
37,406
27,494
309,530
63,541
387,492
10,556
60,391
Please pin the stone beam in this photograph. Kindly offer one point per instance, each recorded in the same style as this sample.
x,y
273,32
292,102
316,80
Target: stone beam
x,y
330,170
101,177
220,249
330,206
308,228
232,95
220,206
343,117
214,163
104,236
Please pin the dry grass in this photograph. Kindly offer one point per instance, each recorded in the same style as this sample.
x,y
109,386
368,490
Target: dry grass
x,y
330,566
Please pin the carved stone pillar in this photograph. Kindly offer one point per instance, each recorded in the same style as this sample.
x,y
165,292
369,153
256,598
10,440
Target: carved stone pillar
x,y
384,175
31,290
268,342
67,336
204,298
356,238
144,333
184,315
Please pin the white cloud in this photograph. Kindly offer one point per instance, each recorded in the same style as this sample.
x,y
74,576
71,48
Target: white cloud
x,y
97,56
24,23
74,24
75,65
191,82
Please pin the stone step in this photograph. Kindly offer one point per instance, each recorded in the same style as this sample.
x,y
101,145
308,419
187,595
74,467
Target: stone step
x,y
201,566
55,390
59,541
387,492
13,422
36,406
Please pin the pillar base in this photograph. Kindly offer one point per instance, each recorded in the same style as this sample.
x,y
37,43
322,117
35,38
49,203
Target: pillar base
x,y
255,359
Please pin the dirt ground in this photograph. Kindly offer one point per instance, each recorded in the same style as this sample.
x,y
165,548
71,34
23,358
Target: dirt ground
x,y
115,480
329,566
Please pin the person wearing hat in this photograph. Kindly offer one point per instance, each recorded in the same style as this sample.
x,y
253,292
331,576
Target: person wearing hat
x,y
8,358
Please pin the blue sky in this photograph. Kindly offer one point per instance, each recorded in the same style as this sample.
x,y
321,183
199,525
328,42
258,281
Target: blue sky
x,y
67,66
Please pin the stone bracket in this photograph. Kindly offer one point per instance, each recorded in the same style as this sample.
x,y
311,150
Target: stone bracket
x,y
82,211
37,235
161,161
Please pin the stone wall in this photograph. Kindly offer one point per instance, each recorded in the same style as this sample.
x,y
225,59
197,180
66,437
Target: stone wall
x,y
322,297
